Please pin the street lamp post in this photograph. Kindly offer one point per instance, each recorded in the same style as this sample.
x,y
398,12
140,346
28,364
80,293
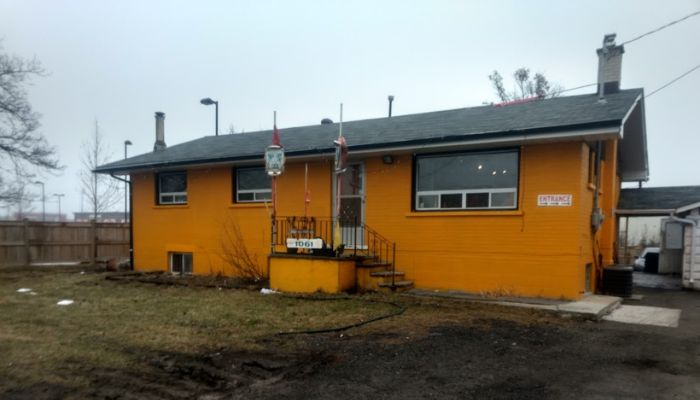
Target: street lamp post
x,y
58,196
207,102
43,201
126,186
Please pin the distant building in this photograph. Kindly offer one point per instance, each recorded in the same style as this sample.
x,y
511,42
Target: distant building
x,y
38,216
109,216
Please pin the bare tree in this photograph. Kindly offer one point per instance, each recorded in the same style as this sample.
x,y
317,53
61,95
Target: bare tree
x,y
21,198
235,253
23,149
101,191
526,85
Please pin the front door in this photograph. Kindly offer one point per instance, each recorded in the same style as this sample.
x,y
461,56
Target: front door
x,y
352,206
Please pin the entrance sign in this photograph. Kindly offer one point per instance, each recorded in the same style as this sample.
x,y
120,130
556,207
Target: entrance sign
x,y
274,160
555,200
293,243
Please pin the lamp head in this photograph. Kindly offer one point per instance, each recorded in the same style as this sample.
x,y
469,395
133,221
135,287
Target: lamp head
x,y
207,101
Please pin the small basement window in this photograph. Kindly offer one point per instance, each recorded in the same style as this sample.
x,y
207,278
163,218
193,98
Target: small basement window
x,y
172,188
252,185
181,263
471,181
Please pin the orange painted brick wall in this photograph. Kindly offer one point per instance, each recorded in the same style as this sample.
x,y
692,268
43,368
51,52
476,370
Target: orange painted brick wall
x,y
533,251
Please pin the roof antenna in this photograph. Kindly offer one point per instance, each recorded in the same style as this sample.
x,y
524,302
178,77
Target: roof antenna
x,y
391,100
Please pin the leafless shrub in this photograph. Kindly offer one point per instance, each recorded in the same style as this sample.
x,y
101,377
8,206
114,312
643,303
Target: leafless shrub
x,y
235,253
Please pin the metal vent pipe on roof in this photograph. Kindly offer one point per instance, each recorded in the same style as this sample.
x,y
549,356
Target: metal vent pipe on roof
x,y
160,145
391,100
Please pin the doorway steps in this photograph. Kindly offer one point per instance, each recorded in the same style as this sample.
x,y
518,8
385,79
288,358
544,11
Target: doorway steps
x,y
373,276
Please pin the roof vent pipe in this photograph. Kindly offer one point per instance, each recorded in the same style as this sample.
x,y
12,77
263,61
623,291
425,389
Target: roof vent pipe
x,y
391,100
160,145
609,66
326,121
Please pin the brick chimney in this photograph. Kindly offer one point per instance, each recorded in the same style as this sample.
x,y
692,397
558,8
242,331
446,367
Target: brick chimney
x,y
160,132
609,66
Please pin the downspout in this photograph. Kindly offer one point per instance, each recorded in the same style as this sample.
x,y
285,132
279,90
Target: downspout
x,y
694,225
131,218
596,214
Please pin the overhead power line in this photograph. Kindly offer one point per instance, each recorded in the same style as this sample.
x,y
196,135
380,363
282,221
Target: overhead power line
x,y
662,27
688,72
577,87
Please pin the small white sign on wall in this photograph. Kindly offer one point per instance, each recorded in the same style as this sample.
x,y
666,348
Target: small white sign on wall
x,y
293,243
554,200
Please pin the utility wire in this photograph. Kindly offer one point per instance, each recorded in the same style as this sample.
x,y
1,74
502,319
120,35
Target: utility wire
x,y
674,80
577,87
661,27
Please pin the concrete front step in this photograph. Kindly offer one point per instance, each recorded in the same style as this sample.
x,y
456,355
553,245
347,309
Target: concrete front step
x,y
386,274
373,264
399,286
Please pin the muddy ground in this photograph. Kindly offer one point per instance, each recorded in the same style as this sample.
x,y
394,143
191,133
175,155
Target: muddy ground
x,y
485,359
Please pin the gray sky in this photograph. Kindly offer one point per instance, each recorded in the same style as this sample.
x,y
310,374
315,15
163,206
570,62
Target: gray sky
x,y
119,61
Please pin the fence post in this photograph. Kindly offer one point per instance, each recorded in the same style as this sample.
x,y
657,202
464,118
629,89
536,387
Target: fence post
x,y
25,236
93,229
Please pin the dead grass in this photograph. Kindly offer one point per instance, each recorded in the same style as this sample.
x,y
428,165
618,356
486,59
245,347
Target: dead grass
x,y
112,323
116,325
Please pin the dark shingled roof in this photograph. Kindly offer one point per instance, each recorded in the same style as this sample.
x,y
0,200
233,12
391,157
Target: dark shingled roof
x,y
658,198
538,116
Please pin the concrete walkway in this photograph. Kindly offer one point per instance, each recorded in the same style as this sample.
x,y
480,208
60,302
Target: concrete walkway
x,y
656,281
645,315
591,306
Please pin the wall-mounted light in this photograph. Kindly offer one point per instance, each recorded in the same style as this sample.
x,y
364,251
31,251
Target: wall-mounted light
x,y
387,159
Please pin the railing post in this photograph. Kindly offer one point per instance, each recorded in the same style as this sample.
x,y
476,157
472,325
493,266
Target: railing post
x,y
272,235
393,265
355,239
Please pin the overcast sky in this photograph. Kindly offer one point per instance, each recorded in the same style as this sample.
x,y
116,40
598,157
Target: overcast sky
x,y
119,61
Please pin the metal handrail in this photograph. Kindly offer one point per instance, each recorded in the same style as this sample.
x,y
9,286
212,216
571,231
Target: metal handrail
x,y
371,243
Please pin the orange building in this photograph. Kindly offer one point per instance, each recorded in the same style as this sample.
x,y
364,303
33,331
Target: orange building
x,y
510,199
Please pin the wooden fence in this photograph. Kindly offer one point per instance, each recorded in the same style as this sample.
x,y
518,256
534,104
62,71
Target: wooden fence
x,y
26,242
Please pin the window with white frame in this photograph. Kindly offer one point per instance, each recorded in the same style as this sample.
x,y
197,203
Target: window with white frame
x,y
252,185
172,188
181,263
467,181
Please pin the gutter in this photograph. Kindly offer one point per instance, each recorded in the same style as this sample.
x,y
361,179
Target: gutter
x,y
694,225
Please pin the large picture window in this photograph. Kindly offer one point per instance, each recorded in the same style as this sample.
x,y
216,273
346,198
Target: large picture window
x,y
471,181
172,188
252,185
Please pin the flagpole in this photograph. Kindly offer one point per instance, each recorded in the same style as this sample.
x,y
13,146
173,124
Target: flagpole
x,y
274,191
337,236
306,190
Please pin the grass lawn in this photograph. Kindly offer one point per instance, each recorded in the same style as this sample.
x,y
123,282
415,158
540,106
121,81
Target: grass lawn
x,y
111,324
126,339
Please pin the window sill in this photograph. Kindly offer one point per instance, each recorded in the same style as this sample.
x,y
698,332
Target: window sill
x,y
248,205
170,206
507,213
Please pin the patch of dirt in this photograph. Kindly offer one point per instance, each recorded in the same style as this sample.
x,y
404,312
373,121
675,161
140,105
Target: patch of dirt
x,y
206,376
207,281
